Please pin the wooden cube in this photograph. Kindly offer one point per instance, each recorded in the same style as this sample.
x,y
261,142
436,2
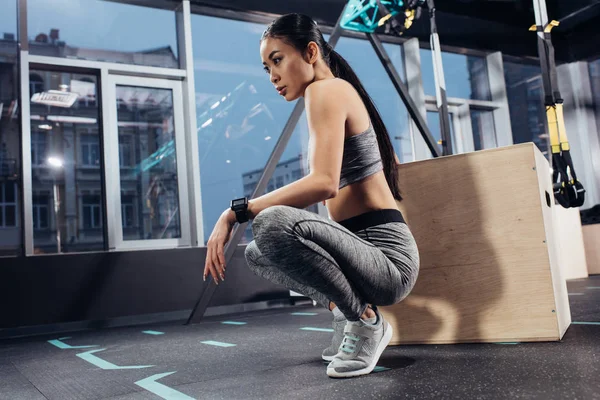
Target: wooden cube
x,y
489,271
591,238
569,242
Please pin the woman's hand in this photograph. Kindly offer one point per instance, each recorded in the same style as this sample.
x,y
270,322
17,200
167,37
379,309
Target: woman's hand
x,y
215,257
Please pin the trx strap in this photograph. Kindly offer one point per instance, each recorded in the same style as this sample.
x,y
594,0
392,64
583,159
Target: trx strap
x,y
568,191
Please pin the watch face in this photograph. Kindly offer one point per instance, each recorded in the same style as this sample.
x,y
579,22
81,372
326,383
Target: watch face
x,y
239,202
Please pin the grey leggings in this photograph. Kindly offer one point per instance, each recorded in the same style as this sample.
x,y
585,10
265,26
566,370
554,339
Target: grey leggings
x,y
368,259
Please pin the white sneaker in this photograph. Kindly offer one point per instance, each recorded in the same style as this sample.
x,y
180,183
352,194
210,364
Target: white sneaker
x,y
361,348
338,325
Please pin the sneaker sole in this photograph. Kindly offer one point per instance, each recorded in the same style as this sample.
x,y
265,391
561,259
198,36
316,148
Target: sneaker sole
x,y
385,340
327,358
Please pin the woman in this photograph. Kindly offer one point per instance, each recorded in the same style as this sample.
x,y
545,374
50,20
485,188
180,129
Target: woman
x,y
365,255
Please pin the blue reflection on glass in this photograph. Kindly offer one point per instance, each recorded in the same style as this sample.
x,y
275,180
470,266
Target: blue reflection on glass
x,y
104,31
465,75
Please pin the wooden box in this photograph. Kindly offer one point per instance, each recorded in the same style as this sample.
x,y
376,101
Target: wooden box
x,y
591,238
569,242
489,271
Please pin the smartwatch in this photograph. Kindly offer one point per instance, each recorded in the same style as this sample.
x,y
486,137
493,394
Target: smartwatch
x,y
240,208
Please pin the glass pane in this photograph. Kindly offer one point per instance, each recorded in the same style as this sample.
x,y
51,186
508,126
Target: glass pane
x,y
241,116
433,123
363,60
525,97
145,118
484,131
69,128
10,153
9,193
102,31
11,219
466,76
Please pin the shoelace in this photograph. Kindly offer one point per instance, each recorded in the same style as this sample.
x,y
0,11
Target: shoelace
x,y
347,345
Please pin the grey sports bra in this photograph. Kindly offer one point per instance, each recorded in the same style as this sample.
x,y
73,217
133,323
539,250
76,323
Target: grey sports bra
x,y
361,157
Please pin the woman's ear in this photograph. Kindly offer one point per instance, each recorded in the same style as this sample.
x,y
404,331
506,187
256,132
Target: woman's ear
x,y
312,53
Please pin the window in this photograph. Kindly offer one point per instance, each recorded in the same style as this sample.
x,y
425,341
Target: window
x,y
36,84
526,103
72,136
484,132
38,148
147,134
10,133
127,211
102,30
433,123
466,76
279,181
90,150
10,151
125,151
8,205
92,216
41,211
363,59
240,115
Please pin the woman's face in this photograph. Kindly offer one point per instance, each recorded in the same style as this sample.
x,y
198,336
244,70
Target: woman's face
x,y
288,70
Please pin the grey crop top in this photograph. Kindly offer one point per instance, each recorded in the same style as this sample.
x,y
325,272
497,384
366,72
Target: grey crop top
x,y
361,157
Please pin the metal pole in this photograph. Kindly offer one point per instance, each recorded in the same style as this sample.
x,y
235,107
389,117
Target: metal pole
x,y
56,214
440,83
202,303
402,90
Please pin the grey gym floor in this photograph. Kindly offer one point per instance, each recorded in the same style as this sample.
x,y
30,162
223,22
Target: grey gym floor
x,y
274,358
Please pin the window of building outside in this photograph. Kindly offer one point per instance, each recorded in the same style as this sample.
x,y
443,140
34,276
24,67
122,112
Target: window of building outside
x,y
466,78
66,177
10,153
241,116
148,163
102,30
525,95
594,67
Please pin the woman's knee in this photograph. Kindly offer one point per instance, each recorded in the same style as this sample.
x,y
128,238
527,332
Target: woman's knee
x,y
270,220
252,255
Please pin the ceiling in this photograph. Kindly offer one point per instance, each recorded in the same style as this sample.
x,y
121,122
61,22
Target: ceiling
x,y
488,25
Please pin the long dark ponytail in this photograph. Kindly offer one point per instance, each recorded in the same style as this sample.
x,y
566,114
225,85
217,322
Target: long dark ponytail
x,y
298,31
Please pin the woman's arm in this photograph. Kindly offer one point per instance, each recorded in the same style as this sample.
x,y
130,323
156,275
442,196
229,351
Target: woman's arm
x,y
326,123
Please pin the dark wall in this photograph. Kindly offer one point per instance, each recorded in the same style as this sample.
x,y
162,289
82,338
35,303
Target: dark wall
x,y
64,288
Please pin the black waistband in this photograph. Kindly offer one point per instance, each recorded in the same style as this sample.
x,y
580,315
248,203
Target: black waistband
x,y
372,218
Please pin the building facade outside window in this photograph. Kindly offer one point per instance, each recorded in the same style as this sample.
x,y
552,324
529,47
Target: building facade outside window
x,y
66,178
10,153
102,30
469,99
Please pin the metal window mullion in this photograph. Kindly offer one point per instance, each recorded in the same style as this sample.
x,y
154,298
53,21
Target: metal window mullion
x,y
414,83
113,68
501,114
26,154
194,187
111,161
466,128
